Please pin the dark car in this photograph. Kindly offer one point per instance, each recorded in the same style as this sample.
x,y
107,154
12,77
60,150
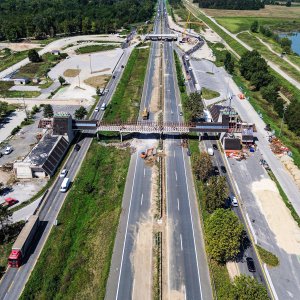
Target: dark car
x,y
114,76
215,146
216,170
223,169
188,152
122,66
77,147
1,154
250,264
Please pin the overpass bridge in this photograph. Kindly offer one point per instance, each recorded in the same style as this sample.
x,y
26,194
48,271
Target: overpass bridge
x,y
162,37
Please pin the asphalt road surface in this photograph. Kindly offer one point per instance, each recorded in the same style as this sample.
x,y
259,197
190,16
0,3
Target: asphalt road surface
x,y
14,280
188,273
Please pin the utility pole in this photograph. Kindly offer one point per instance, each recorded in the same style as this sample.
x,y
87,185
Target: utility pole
x,y
25,107
78,77
90,56
284,110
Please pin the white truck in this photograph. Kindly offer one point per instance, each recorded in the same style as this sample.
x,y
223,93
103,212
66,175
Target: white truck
x,y
210,151
65,185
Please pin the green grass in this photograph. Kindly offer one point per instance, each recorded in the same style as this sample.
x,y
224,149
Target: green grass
x,y
5,93
11,59
75,261
285,199
238,24
124,105
95,48
209,94
253,42
267,257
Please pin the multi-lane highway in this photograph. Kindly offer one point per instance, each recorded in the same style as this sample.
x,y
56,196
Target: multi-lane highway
x,y
14,280
123,281
188,274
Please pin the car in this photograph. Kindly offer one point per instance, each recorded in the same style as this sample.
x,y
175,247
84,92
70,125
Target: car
x,y
250,264
1,154
181,113
63,173
187,57
234,202
223,169
122,66
190,69
77,147
188,152
8,150
97,109
114,76
216,170
215,146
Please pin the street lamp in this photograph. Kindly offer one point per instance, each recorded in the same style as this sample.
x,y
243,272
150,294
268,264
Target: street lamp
x,y
284,110
25,106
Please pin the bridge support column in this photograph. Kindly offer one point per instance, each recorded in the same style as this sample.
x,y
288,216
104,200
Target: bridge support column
x,y
121,137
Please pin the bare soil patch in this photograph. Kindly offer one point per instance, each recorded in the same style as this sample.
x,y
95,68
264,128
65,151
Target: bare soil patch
x,y
71,72
97,81
233,269
280,221
291,168
270,11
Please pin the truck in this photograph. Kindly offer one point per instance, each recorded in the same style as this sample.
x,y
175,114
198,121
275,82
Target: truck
x,y
9,202
210,151
65,185
145,114
23,242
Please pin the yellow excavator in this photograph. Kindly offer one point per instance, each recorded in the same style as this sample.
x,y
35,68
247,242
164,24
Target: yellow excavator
x,y
145,114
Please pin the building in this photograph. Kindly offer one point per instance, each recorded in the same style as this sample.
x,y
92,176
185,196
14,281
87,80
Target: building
x,y
45,157
21,81
232,146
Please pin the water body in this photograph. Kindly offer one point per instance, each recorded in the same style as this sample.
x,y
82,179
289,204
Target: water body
x,y
295,38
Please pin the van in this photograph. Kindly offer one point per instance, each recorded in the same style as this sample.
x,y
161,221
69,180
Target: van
x,y
103,106
65,185
210,151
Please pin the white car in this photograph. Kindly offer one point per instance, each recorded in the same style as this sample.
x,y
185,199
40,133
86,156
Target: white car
x,y
190,69
8,150
234,202
187,57
97,109
63,173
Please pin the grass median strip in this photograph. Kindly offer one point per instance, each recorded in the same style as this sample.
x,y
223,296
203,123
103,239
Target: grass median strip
x,y
76,259
267,257
95,48
125,103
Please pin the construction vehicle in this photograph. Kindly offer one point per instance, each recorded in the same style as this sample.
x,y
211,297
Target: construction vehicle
x,y
23,242
147,153
145,114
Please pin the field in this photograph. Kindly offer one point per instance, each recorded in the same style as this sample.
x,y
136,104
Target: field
x,y
130,88
9,58
238,24
75,261
270,11
95,48
209,94
97,81
71,72
253,42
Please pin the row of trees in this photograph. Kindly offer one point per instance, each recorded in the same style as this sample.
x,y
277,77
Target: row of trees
x,y
284,42
79,114
231,4
254,68
194,107
44,18
3,109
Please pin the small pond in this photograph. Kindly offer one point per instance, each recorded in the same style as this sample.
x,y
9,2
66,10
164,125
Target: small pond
x,y
295,38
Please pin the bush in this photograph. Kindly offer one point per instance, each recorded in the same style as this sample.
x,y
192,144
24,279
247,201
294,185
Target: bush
x,y
267,257
15,130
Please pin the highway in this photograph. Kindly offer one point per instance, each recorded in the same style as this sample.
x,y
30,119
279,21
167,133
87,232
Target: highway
x,y
188,275
14,280
135,209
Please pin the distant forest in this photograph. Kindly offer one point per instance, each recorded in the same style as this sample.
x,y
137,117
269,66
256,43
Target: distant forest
x,y
42,18
231,4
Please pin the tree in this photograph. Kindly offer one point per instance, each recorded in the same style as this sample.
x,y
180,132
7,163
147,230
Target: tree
x,y
33,56
203,166
216,192
80,113
98,91
254,26
5,215
48,111
292,116
260,79
229,63
246,288
3,108
288,3
194,106
61,80
224,235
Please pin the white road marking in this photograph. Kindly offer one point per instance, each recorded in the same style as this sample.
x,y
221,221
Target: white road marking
x,y
177,203
117,294
176,175
174,153
181,242
142,199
